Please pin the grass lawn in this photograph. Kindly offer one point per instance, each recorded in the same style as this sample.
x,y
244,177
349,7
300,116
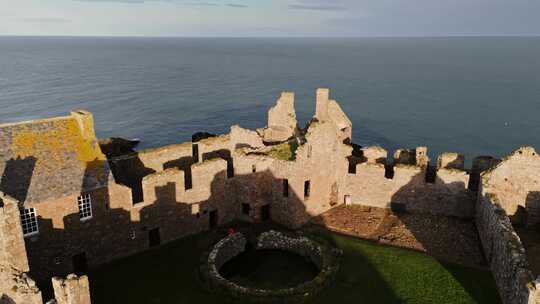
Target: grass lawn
x,y
369,273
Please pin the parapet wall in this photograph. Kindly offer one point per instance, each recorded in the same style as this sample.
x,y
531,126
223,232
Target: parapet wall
x,y
405,186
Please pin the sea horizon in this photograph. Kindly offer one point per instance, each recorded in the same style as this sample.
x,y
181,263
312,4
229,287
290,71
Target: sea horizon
x,y
473,95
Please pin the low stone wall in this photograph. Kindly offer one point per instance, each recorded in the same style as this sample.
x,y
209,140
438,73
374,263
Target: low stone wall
x,y
505,253
323,256
225,250
301,246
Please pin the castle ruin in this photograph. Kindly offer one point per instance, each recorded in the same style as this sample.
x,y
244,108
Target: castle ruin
x,y
68,205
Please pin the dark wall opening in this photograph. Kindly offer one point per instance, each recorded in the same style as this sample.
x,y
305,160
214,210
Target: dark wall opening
x,y
352,168
265,212
389,171
307,188
286,188
154,237
431,174
213,218
195,152
246,208
80,264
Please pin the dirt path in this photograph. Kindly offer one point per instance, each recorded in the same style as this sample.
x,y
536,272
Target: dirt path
x,y
446,238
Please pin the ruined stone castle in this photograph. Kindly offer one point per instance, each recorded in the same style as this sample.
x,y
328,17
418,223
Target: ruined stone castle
x,y
68,204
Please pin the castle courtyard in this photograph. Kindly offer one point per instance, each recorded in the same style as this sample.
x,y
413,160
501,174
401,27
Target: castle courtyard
x,y
280,214
369,273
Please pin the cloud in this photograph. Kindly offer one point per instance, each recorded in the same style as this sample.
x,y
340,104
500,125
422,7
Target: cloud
x,y
201,4
237,5
321,7
194,3
47,20
121,1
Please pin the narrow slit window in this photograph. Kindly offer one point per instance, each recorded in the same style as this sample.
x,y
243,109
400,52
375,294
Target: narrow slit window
x,y
188,179
352,168
29,221
286,188
230,168
195,152
389,171
253,168
307,186
85,207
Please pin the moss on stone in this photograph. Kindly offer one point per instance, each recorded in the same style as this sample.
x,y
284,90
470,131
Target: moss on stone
x,y
284,151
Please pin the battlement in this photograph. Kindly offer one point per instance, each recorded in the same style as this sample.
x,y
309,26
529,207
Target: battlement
x,y
281,172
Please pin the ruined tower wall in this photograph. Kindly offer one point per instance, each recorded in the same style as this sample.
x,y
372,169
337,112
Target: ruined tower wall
x,y
72,290
13,253
242,138
15,285
315,178
252,185
516,183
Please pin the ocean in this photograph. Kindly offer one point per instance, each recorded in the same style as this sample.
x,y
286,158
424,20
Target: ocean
x,y
475,95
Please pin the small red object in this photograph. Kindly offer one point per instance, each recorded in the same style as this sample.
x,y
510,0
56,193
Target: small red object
x,y
231,231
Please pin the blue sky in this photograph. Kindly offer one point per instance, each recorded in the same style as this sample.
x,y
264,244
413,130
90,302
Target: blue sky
x,y
263,18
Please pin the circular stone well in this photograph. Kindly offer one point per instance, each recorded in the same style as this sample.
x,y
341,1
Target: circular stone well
x,y
297,267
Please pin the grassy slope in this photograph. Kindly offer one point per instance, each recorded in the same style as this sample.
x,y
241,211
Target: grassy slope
x,y
370,274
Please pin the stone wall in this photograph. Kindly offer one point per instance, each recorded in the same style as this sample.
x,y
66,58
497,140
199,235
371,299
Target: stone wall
x,y
299,245
118,228
71,290
505,253
178,155
516,183
407,189
282,122
15,285
507,191
187,188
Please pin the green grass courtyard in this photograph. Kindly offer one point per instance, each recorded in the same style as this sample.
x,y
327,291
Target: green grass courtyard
x,y
369,273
